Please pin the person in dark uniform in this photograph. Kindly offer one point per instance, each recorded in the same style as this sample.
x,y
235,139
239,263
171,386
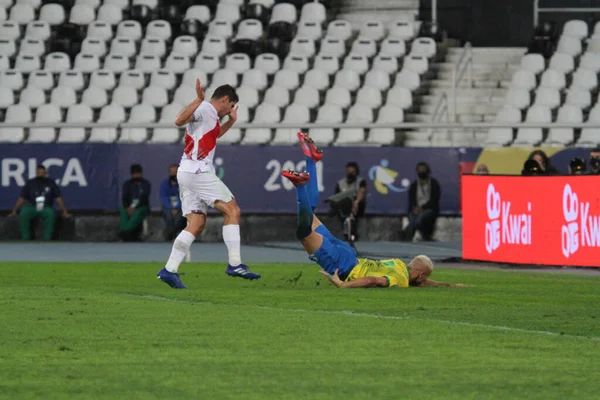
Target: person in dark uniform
x,y
136,205
578,166
37,201
423,204
171,205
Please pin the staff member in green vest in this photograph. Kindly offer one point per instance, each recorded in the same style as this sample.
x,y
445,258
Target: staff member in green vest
x,y
37,200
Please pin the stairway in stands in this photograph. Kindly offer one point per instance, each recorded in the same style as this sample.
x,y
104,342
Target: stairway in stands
x,y
492,72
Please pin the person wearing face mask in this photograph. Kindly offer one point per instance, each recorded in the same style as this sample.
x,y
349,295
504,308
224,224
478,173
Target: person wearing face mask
x,y
595,161
171,205
37,201
482,169
136,206
423,204
349,200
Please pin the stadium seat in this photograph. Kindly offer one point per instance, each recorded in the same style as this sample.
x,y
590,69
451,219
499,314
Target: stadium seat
x,y
255,78
122,4
185,46
402,30
297,114
387,64
268,63
277,96
177,64
265,114
339,29
576,28
153,47
17,113
228,12
10,30
503,136
248,95
250,29
87,63
32,97
417,64
99,30
307,96
8,48
193,28
198,12
133,78
110,114
328,64
518,98
302,47
156,96
37,30
46,114
523,79
408,79
569,45
207,63
82,15
151,4
94,97
338,96
381,136
184,95
63,97
22,14
73,79
310,30
12,80
377,79
534,63
224,77
103,78
53,14
585,79
238,63
3,14
130,29
374,30
92,3
214,46
159,29
287,79
547,97
296,63
393,47
164,78
591,136
123,46
356,62
222,29
563,63
190,76
593,45
313,12
41,79
167,117
369,96
567,114
327,114
76,114
94,46
116,63
125,96
350,136
317,79
400,96
424,47
580,98
27,64
33,47
390,114
348,79
284,12
365,47
7,97
553,79
332,47
590,61
533,136
141,113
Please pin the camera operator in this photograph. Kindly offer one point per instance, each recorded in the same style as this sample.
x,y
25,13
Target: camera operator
x,y
532,168
577,166
595,161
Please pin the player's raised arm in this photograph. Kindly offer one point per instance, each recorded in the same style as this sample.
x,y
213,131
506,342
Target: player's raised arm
x,y
364,282
186,115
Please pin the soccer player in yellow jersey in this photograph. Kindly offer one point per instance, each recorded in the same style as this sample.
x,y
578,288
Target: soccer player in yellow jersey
x,y
337,259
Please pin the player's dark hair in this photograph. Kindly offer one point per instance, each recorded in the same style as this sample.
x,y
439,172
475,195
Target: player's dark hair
x,y
226,90
136,169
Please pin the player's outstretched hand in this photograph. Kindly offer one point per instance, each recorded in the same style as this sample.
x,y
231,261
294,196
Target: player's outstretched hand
x,y
335,279
233,114
199,90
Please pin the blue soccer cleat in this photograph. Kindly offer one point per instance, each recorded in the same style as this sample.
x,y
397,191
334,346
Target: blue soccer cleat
x,y
242,271
170,278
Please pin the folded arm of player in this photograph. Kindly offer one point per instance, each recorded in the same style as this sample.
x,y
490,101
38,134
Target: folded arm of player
x,y
429,283
364,282
186,115
232,118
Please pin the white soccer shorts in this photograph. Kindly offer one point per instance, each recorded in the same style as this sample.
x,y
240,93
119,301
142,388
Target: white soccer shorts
x,y
200,191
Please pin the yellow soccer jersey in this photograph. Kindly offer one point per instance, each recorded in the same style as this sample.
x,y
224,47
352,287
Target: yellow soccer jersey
x,y
395,271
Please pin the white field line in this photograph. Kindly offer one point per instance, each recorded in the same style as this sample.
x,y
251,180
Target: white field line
x,y
377,316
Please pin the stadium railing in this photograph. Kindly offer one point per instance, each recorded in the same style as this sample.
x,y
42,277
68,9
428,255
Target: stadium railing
x,y
464,65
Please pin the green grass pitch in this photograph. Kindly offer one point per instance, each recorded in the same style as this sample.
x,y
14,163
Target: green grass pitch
x,y
113,331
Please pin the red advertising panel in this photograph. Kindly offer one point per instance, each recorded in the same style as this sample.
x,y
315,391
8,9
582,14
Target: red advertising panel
x,y
532,220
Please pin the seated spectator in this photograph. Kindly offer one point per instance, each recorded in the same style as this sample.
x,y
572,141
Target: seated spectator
x,y
136,206
544,161
37,201
482,169
423,204
171,205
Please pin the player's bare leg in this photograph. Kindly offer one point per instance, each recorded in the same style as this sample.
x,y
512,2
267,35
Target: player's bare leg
x,y
231,236
181,246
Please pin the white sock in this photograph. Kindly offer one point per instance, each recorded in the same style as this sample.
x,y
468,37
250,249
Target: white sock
x,y
231,237
181,245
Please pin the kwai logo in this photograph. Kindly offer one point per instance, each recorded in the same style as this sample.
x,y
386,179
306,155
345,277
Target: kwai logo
x,y
504,227
572,239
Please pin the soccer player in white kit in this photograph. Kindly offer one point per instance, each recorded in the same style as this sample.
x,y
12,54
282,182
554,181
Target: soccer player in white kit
x,y
199,185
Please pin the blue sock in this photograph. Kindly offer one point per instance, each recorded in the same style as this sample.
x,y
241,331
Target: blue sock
x,y
313,183
305,212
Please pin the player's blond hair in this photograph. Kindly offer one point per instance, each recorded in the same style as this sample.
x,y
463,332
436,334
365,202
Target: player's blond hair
x,y
422,263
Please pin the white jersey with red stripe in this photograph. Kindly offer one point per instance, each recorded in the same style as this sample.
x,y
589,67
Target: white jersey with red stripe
x,y
201,140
